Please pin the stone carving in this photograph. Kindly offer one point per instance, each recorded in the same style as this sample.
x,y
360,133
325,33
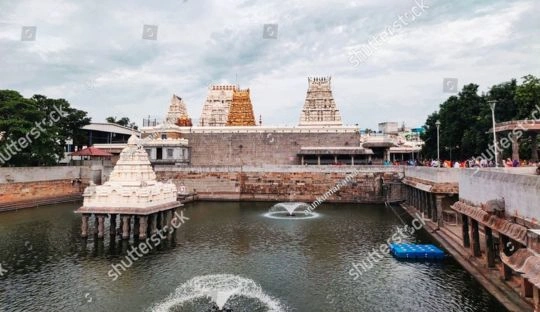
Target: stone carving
x,y
177,112
241,110
320,108
494,207
215,110
132,186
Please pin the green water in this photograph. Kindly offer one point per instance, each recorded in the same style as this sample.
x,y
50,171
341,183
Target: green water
x,y
301,264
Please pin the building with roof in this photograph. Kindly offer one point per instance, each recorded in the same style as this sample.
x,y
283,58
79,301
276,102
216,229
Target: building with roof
x,y
108,133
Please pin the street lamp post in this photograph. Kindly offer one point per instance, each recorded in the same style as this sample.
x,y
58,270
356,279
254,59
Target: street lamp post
x,y
492,106
438,124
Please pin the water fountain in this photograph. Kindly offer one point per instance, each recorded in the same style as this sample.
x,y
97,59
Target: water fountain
x,y
221,289
291,210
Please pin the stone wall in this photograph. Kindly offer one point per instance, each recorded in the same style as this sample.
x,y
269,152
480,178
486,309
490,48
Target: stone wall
x,y
286,183
29,186
32,174
259,148
13,193
521,192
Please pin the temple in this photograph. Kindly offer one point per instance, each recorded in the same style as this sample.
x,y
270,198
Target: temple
x,y
133,194
320,108
241,110
177,114
215,111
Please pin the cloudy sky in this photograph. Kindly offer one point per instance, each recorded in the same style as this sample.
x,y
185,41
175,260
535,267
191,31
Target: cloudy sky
x,y
92,53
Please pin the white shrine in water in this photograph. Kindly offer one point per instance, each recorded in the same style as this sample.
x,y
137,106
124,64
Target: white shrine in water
x,y
133,194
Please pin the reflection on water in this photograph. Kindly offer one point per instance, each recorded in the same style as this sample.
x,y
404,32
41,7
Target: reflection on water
x,y
303,264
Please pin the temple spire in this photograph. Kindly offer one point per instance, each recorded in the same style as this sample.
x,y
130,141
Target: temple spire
x,y
320,108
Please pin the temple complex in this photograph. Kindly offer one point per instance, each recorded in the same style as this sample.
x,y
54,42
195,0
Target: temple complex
x,y
320,108
241,110
132,194
215,111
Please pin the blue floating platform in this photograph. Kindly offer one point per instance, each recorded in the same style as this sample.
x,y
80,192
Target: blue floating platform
x,y
420,252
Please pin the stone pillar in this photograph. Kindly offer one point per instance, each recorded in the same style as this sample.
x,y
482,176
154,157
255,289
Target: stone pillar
x,y
536,298
302,160
136,227
84,225
96,224
432,211
465,231
121,226
490,252
152,219
420,200
112,225
159,220
425,201
125,227
100,226
515,146
438,203
166,218
526,288
318,160
335,159
143,227
352,160
506,272
475,246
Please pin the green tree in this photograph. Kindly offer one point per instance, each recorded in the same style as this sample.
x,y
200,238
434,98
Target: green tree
x,y
528,102
466,119
124,121
429,150
34,131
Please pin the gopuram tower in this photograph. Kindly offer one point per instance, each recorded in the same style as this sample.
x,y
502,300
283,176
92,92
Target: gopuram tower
x,y
177,114
320,108
215,110
241,110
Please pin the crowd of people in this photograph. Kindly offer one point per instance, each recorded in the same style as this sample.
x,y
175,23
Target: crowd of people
x,y
469,163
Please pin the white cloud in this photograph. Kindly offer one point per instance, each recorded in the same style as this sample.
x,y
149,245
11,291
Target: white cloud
x,y
91,52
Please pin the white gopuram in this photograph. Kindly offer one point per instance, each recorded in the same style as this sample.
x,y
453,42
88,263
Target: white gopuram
x,y
320,108
177,110
215,111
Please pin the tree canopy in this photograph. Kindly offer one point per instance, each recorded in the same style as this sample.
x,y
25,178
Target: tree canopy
x,y
124,121
466,119
34,131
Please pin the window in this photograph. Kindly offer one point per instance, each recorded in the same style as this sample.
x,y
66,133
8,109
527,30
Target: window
x,y
164,136
169,153
159,153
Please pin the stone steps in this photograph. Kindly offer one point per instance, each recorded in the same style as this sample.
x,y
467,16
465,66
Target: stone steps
x,y
39,202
